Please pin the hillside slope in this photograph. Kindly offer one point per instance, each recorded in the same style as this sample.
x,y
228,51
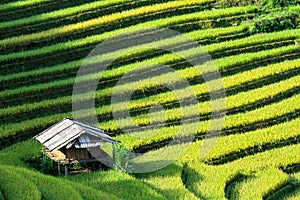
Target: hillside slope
x,y
44,43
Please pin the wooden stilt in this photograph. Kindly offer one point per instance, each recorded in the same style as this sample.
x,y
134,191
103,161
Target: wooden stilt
x,y
99,166
66,170
58,169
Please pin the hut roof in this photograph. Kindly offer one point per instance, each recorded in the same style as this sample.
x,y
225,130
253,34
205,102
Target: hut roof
x,y
72,133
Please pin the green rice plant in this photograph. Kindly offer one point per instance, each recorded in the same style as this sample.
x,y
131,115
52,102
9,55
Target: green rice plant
x,y
59,13
188,73
239,100
233,81
279,157
295,9
90,193
265,181
182,27
95,39
147,48
84,8
27,154
239,145
11,78
11,159
158,179
13,13
288,191
250,153
30,77
258,139
60,31
96,13
118,184
199,90
1,196
19,4
211,181
168,180
229,82
295,194
14,186
22,154
208,182
56,85
261,72
60,189
31,107
242,120
33,185
28,128
254,39
66,67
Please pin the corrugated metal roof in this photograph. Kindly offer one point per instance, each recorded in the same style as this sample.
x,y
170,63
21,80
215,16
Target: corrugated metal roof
x,y
97,132
71,132
84,141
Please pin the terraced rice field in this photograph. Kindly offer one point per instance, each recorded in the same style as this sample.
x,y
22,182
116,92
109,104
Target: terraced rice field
x,y
43,44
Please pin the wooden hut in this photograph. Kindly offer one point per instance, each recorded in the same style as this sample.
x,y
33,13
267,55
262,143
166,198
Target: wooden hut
x,y
68,141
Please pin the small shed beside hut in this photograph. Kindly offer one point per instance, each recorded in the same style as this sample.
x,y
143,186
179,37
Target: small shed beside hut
x,y
68,141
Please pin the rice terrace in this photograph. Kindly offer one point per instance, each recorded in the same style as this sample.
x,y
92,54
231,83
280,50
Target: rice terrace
x,y
157,99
